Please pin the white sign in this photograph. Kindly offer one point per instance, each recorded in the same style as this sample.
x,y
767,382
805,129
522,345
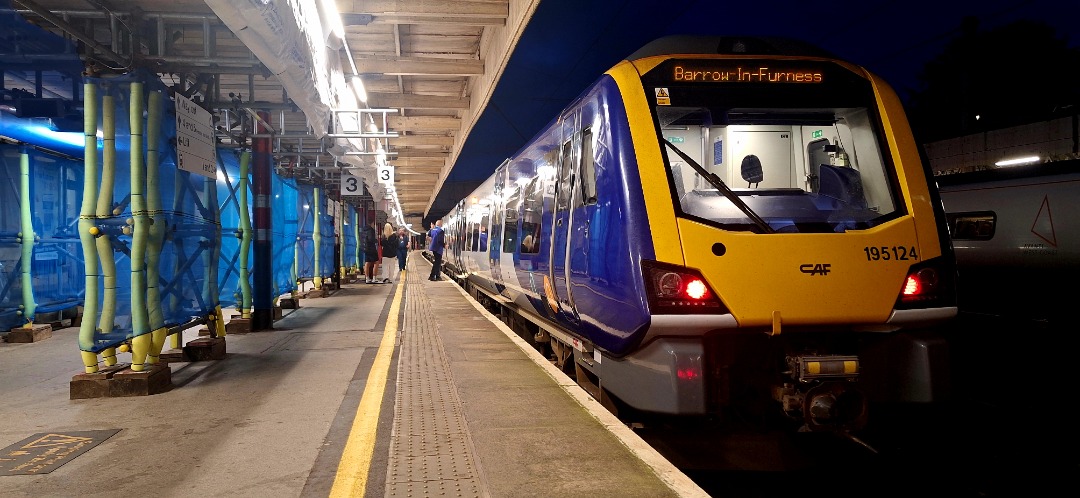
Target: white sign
x,y
386,175
351,184
196,151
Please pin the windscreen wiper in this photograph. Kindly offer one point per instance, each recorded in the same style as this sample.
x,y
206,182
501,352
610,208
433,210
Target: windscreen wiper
x,y
719,184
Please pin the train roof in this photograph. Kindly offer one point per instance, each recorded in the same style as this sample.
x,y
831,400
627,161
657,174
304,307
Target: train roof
x,y
738,45
1070,166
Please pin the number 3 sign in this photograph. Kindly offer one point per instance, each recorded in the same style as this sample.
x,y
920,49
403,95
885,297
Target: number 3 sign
x,y
386,175
351,184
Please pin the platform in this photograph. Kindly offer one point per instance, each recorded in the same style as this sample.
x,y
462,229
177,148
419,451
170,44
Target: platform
x,y
408,389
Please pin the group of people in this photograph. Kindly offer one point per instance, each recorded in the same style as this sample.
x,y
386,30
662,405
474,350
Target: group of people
x,y
380,249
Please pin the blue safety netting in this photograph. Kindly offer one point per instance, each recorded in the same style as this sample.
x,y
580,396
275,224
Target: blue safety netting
x,y
285,222
348,256
328,239
307,201
305,232
185,235
228,187
56,272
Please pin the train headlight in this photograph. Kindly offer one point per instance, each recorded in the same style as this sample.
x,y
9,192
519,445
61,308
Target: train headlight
x,y
676,289
668,285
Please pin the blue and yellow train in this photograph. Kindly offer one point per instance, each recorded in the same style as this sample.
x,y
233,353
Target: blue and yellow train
x,y
738,228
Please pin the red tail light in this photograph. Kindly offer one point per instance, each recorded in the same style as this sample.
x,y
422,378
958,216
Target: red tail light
x,y
927,285
921,283
676,289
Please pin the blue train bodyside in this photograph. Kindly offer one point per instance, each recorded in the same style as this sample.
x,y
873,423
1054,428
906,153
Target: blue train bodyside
x,y
600,294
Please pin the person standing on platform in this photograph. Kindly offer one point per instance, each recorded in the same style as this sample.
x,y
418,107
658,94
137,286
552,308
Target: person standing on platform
x,y
389,243
403,250
371,252
438,242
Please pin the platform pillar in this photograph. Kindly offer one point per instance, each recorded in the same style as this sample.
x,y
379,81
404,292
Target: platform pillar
x,y
262,249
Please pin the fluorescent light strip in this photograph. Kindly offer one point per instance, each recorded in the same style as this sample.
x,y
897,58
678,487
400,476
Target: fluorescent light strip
x,y
1017,161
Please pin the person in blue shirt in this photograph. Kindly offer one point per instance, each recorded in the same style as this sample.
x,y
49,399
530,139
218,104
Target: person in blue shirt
x,y
438,242
402,249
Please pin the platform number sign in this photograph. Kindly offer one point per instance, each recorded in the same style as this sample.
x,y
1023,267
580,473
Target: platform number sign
x,y
386,175
351,184
196,151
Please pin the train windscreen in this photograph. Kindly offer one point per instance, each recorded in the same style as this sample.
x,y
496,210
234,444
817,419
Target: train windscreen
x,y
773,145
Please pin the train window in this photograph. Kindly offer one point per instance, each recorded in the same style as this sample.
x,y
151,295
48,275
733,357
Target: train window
x,y
483,232
566,176
710,125
588,169
531,216
510,221
976,225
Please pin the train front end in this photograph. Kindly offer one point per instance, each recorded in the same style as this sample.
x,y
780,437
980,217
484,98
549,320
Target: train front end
x,y
800,256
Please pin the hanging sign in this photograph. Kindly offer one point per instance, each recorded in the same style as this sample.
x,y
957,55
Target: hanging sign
x,y
386,174
195,149
351,184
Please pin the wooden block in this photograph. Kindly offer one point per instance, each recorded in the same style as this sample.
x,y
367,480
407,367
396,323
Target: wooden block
x,y
77,319
277,313
154,379
290,303
238,326
205,348
37,333
172,355
93,385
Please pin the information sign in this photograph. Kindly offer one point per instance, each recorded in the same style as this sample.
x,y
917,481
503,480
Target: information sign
x,y
195,145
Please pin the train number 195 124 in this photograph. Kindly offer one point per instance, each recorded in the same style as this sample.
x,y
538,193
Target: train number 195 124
x,y
886,253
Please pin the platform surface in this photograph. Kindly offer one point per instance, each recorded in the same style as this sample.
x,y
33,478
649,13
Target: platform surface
x,y
457,405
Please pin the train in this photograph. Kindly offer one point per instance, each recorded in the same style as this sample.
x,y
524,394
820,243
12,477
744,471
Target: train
x,y
1016,242
737,229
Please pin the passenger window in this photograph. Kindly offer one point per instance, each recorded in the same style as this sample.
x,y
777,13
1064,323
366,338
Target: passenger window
x,y
566,177
531,217
588,169
510,223
972,225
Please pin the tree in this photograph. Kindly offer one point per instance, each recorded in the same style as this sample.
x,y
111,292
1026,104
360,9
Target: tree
x,y
1015,74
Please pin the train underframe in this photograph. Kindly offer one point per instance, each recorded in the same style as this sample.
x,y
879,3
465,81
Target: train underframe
x,y
801,381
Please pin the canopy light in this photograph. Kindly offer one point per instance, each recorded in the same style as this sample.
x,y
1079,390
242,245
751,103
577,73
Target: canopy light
x,y
1019,160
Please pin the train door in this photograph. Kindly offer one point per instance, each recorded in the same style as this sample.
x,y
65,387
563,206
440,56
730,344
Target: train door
x,y
584,208
772,148
817,153
496,233
455,236
558,291
511,234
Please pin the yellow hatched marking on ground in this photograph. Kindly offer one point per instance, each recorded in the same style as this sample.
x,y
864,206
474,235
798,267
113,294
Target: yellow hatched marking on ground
x,y
351,477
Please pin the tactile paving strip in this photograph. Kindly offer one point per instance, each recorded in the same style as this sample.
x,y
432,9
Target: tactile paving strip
x,y
430,450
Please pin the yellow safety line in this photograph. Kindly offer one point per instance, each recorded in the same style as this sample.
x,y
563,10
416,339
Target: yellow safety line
x,y
351,477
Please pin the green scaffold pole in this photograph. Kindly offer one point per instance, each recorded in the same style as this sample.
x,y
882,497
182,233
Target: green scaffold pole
x,y
26,238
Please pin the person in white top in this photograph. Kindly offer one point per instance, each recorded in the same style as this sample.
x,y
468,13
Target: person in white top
x,y
388,268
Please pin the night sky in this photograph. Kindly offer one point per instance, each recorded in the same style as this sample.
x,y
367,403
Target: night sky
x,y
569,43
